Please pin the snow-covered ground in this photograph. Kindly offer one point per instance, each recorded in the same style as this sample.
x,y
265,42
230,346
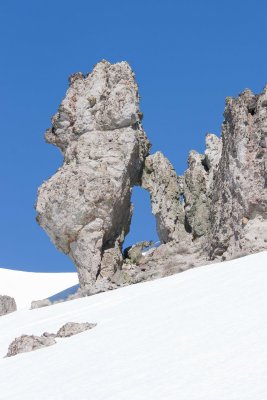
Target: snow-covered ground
x,y
28,286
199,335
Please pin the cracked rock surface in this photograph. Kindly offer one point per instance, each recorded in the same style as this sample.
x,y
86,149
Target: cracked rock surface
x,y
160,179
238,211
216,210
85,207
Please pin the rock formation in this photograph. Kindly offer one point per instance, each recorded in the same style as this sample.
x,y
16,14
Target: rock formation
x,y
238,211
7,305
217,210
85,207
26,343
73,328
40,303
160,179
225,189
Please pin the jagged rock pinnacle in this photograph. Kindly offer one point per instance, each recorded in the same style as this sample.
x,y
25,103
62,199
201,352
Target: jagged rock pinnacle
x,y
85,207
217,210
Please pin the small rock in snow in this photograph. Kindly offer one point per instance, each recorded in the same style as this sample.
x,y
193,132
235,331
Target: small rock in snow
x,y
72,328
26,343
7,305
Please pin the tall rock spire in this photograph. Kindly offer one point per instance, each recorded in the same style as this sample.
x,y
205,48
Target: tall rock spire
x,y
85,207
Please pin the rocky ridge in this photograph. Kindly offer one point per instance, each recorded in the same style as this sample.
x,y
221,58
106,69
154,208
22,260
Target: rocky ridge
x,y
217,210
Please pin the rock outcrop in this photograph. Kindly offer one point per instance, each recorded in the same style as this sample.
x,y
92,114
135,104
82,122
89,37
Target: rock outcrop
x,y
26,343
238,211
217,210
7,305
136,252
40,303
73,328
225,189
85,207
160,179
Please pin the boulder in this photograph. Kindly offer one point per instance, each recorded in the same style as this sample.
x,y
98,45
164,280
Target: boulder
x,y
73,328
7,305
26,343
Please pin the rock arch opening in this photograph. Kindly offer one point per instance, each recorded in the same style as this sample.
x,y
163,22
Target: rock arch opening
x,y
143,224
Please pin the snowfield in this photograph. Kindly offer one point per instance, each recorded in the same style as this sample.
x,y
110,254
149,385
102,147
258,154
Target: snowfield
x,y
198,335
28,286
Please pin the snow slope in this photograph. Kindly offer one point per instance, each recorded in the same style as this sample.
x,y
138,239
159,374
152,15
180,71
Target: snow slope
x,y
199,335
28,286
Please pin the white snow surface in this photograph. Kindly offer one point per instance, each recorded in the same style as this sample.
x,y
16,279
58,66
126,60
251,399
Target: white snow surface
x,y
28,286
198,335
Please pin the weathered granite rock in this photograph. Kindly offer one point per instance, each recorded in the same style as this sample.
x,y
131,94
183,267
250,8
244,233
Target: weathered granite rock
x,y
7,305
238,211
225,189
85,207
195,194
73,328
160,179
198,186
212,155
26,343
217,210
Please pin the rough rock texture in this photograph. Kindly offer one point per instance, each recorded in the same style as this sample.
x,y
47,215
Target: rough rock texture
x,y
195,194
198,186
73,328
135,253
226,188
85,207
160,179
27,343
217,210
167,259
224,214
238,212
7,305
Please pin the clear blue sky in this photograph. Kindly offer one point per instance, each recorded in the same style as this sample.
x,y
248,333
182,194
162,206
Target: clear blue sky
x,y
188,55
